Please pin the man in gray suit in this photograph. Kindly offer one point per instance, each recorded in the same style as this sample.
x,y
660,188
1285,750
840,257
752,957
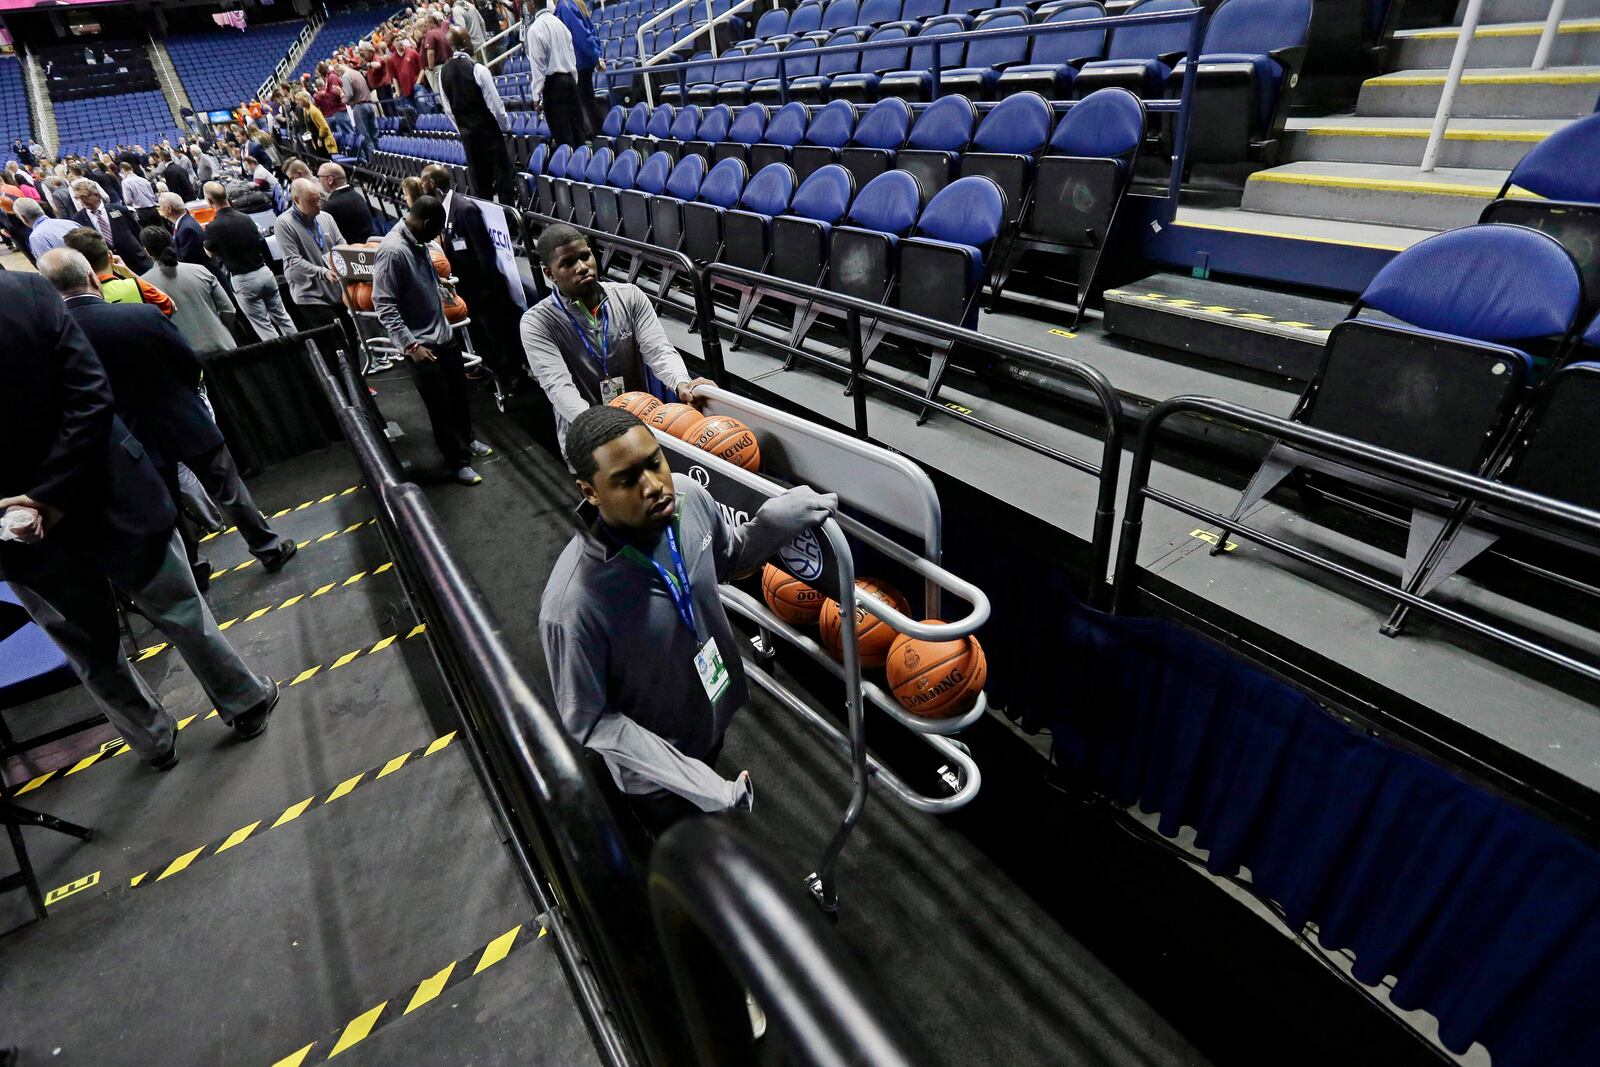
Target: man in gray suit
x,y
306,234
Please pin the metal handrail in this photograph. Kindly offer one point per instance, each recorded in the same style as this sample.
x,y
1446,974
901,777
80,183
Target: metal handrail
x,y
1105,394
713,20
1446,481
712,897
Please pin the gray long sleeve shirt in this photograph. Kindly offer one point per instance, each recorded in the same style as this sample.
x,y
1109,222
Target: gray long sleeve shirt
x,y
563,365
622,661
305,261
405,292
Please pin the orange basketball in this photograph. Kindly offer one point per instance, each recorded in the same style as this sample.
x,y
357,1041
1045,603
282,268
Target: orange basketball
x,y
638,402
441,262
359,295
873,635
680,420
936,679
727,438
790,599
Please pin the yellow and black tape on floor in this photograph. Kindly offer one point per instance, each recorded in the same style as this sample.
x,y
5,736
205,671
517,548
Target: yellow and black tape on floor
x,y
329,536
281,512
1221,311
155,650
249,831
116,748
424,992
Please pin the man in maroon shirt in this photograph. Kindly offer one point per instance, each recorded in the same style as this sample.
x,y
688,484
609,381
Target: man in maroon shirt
x,y
375,63
436,50
405,67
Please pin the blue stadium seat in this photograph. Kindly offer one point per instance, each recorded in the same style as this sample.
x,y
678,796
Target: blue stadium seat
x,y
1054,58
555,167
219,68
938,137
561,185
685,128
1252,53
31,666
986,60
813,88
839,14
827,133
667,209
760,64
876,13
607,198
787,129
918,11
1071,206
748,128
633,127
796,64
863,254
594,175
861,85
747,228
610,127
635,202
801,237
771,24
878,138
1140,58
714,125
1010,137
916,81
700,72
703,218
806,18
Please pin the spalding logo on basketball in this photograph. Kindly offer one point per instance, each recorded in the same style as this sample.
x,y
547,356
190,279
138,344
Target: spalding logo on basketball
x,y
802,557
701,476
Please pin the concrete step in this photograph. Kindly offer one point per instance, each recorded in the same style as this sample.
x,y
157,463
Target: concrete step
x,y
1509,44
1485,92
1495,11
1494,144
1377,193
1300,228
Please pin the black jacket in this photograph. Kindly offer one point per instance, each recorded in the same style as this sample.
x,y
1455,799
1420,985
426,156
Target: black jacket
x,y
349,209
124,235
178,181
471,251
109,182
65,445
154,375
190,238
236,242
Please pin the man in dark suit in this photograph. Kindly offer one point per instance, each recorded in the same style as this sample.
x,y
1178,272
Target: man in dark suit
x,y
176,175
345,204
155,378
188,235
90,507
118,225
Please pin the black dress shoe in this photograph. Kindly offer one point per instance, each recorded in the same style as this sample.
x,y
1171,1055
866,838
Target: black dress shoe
x,y
286,550
167,760
254,722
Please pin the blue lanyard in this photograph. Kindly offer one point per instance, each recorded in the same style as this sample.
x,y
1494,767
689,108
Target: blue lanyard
x,y
316,231
601,357
678,587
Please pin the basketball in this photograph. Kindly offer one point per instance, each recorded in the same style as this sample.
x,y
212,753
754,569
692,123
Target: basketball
x,y
728,438
640,403
455,308
680,420
873,635
936,679
441,262
790,599
359,295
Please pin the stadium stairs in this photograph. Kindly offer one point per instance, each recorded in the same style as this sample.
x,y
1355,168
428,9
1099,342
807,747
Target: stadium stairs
x,y
172,86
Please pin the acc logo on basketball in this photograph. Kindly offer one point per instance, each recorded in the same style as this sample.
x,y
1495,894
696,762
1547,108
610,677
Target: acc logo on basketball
x,y
802,557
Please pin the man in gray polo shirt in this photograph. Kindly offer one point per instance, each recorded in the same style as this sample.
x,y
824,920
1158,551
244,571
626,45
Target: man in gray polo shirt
x,y
645,667
591,340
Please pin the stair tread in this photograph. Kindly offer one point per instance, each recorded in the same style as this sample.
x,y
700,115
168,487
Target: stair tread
x,y
1378,176
1499,29
1297,227
1408,125
1489,75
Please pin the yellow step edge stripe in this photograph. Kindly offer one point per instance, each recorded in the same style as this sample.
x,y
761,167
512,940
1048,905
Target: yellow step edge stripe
x,y
1286,236
1410,80
1387,185
1531,30
357,1029
1519,136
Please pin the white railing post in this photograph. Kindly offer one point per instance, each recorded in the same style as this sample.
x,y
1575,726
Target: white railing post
x,y
1547,39
710,20
1452,80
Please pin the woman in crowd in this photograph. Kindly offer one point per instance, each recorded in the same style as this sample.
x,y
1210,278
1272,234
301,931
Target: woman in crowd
x,y
201,309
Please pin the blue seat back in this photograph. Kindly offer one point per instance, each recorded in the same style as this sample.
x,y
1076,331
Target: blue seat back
x,y
796,64
917,10
638,119
578,164
660,123
769,191
842,62
886,125
945,126
877,12
724,184
1491,282
653,174
922,55
1563,165
1258,27
536,159
1019,124
888,203
750,125
557,166
599,166
805,18
771,23
686,124
832,125
763,63
995,53
1149,41
700,70
730,68
839,14
880,60
825,195
1106,124
1067,45
686,178
968,211
788,126
714,124
625,171
612,126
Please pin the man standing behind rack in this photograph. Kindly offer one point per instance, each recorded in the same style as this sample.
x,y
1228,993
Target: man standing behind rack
x,y
644,664
469,97
305,236
553,76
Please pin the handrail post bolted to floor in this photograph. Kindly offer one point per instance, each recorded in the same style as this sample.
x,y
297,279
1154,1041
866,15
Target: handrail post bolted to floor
x,y
1447,96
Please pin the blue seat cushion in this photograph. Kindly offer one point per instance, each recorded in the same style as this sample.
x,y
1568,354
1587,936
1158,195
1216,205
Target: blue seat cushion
x,y
1153,71
819,82
985,76
1033,73
903,78
1268,77
844,82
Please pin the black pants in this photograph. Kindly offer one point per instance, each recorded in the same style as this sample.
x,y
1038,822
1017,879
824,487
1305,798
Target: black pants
x,y
219,475
488,163
594,114
659,812
310,316
443,385
563,108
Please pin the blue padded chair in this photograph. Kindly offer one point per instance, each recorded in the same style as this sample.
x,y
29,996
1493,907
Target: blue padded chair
x,y
874,13
787,129
986,60
839,14
649,182
685,128
747,228
806,18
31,666
577,167
1252,54
878,138
801,238
748,128
594,175
813,88
916,81
699,72
827,133
861,85
555,167
728,68
759,65
702,219
633,127
1055,57
1140,58
938,137
1442,376
919,11
771,24
607,198
667,212
714,125
1071,206
1561,170
796,64
1010,137
659,128
863,252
